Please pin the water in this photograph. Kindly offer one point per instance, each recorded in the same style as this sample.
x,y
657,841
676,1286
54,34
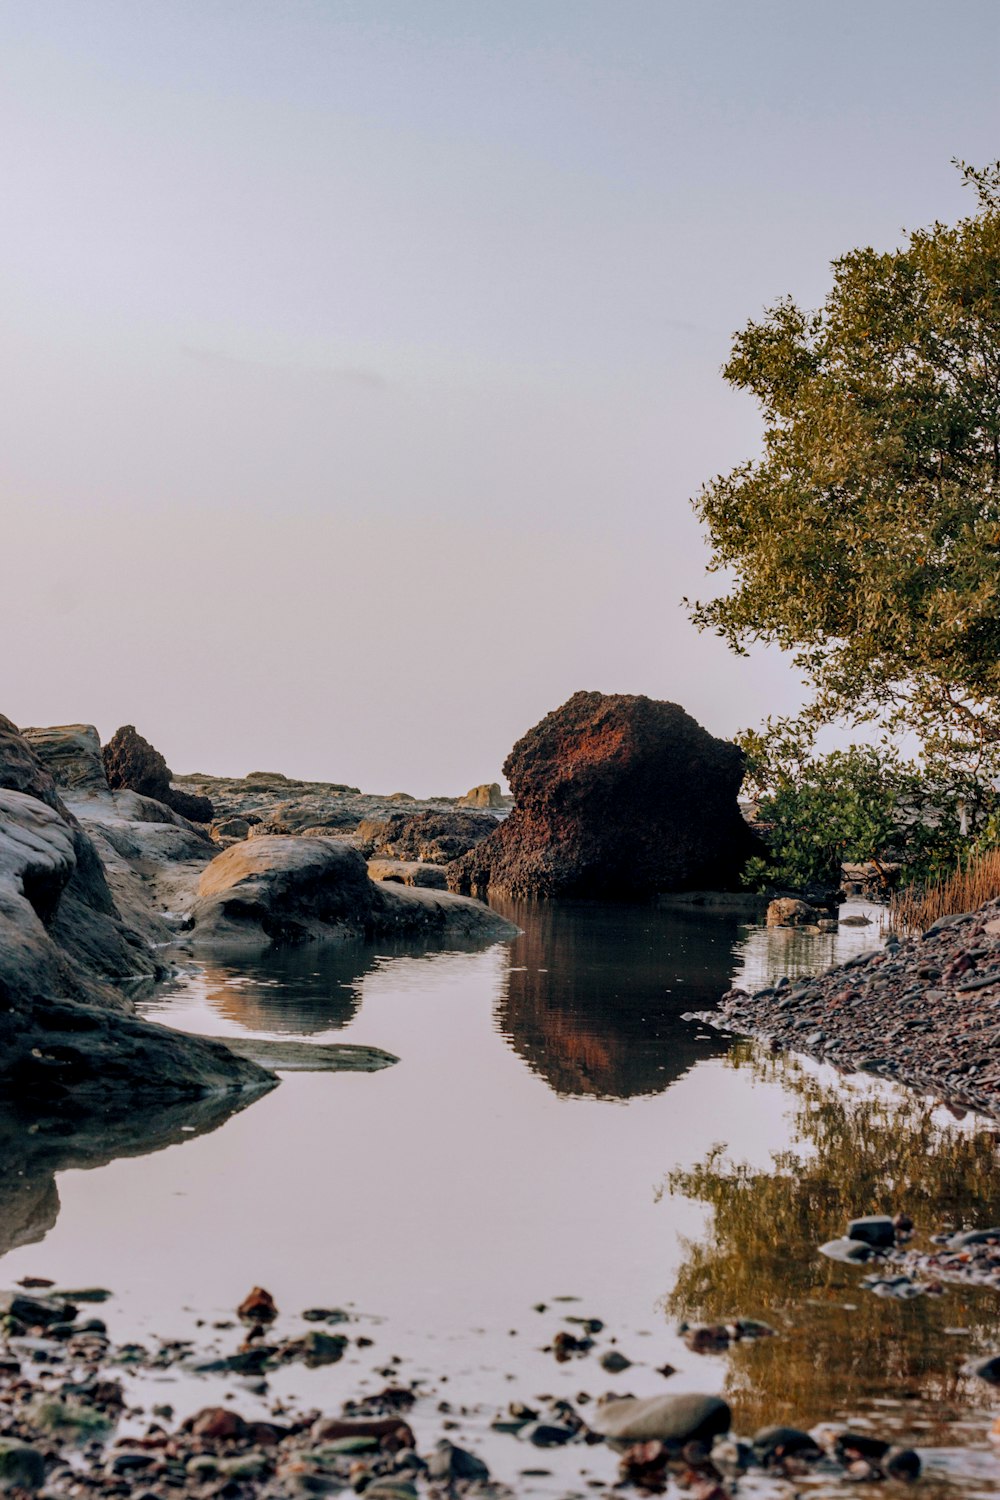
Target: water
x,y
553,1130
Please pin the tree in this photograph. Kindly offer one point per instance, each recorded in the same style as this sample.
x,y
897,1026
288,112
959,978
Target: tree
x,y
866,540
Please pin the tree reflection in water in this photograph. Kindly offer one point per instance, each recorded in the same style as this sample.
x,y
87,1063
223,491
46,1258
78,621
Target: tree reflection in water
x,y
859,1149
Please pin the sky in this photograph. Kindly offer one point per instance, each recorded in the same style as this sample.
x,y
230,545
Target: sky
x,y
359,361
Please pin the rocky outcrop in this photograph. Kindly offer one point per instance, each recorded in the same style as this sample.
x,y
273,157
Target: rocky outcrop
x,y
487,795
616,796
130,761
71,753
434,838
281,891
67,1033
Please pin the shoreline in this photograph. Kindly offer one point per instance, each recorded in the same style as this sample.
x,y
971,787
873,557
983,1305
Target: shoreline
x,y
923,1012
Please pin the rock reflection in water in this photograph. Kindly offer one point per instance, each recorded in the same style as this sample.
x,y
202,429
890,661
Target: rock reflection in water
x,y
595,993
855,1150
34,1147
307,990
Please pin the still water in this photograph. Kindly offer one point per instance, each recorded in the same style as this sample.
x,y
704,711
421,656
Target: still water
x,y
553,1130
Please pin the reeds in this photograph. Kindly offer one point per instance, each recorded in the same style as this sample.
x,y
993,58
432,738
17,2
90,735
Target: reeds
x,y
915,908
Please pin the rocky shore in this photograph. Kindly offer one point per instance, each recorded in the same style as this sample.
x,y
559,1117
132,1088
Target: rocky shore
x,y
82,1414
108,871
923,1011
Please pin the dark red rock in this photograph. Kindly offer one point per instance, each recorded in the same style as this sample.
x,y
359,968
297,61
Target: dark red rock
x,y
132,762
616,796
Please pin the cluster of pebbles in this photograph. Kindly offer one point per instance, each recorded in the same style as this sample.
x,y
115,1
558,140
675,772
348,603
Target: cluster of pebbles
x,y
67,1430
924,1011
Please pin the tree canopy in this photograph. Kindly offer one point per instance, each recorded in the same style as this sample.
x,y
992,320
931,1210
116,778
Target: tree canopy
x,y
866,539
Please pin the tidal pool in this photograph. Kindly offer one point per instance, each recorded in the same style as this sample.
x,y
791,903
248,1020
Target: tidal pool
x,y
554,1135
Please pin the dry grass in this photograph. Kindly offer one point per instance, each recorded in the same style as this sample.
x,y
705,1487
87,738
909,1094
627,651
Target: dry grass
x,y
915,908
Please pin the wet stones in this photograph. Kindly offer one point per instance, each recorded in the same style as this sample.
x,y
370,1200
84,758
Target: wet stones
x,y
670,1418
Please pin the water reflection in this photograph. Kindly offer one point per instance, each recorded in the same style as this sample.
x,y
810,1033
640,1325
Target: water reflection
x,y
33,1148
305,991
853,1150
594,994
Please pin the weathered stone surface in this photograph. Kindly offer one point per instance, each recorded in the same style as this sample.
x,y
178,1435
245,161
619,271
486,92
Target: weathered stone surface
x,y
130,761
430,837
284,890
71,753
615,797
487,795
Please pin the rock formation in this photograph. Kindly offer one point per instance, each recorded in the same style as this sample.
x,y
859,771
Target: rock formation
x,y
487,795
66,1031
616,796
281,891
130,761
434,838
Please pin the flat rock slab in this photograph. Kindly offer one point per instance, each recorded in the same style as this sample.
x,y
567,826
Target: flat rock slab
x,y
308,1057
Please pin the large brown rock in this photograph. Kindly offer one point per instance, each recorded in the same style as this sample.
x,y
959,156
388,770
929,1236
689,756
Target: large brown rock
x,y
130,761
616,796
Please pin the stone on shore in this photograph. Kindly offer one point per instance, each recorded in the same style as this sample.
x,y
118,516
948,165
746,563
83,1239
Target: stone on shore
x,y
616,796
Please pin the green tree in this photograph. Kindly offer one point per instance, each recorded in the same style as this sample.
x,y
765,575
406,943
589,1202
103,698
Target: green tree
x,y
866,539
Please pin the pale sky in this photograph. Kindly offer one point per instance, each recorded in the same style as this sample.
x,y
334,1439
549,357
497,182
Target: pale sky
x,y
359,360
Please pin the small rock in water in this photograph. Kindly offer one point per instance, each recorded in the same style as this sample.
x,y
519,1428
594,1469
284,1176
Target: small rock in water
x,y
257,1307
847,1250
675,1418
706,1338
772,1444
877,1230
21,1466
449,1463
987,1369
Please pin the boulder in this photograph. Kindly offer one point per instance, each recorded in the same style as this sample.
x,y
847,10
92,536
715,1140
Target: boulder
x,y
487,795
282,891
616,796
434,838
789,911
130,761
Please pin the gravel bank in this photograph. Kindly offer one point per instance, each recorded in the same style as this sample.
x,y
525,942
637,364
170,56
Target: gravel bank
x,y
924,1012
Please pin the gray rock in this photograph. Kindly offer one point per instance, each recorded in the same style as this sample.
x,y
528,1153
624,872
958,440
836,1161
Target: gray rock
x,y
669,1418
